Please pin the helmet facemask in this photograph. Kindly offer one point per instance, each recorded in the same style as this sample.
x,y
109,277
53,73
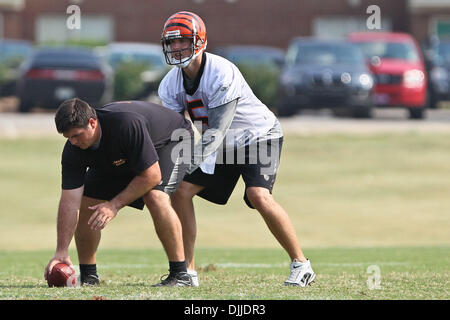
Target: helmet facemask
x,y
171,55
197,45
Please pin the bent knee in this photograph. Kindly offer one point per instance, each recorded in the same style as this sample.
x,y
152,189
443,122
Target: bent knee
x,y
86,202
259,197
155,199
186,190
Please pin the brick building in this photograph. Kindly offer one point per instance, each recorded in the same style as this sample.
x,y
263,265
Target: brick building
x,y
10,18
266,22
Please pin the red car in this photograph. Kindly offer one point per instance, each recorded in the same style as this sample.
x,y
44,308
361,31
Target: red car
x,y
398,65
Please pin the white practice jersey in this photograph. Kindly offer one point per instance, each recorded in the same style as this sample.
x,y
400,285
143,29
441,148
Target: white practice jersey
x,y
220,83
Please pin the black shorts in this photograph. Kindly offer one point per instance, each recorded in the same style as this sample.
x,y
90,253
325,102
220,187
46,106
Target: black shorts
x,y
101,186
258,170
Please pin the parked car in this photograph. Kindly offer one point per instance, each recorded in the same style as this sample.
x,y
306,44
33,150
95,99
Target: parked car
x,y
325,74
149,55
12,54
439,73
52,75
252,55
398,65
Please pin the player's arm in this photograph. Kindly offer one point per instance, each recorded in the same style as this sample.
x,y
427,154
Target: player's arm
x,y
68,210
219,120
134,139
140,185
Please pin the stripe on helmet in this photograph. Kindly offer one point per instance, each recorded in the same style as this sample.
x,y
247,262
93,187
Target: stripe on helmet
x,y
178,24
190,15
180,18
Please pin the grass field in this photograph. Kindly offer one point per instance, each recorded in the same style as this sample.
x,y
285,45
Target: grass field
x,y
251,274
356,201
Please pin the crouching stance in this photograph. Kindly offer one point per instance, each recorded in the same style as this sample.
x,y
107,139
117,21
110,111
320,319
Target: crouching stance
x,y
116,156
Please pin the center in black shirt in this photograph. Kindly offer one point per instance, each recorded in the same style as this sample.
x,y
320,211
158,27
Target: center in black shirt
x,y
132,132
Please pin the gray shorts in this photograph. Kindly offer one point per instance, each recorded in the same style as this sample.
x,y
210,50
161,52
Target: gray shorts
x,y
220,185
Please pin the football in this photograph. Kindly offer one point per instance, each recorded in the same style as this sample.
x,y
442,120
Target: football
x,y
62,276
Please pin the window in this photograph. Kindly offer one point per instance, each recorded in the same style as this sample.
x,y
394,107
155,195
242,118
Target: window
x,y
443,28
339,27
52,28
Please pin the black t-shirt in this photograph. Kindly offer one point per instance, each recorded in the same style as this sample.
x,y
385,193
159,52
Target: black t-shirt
x,y
132,132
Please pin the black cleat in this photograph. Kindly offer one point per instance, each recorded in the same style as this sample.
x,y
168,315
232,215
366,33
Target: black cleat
x,y
180,279
90,280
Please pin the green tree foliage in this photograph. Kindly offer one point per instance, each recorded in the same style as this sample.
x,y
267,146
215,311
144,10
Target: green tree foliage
x,y
263,80
127,80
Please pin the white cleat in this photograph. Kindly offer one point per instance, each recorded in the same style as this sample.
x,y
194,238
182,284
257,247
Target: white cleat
x,y
194,277
301,274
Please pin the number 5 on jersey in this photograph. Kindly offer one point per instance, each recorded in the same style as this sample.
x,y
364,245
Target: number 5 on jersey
x,y
198,112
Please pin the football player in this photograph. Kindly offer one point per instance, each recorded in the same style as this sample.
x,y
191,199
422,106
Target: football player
x,y
119,155
239,134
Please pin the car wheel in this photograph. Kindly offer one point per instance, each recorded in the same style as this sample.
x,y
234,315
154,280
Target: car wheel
x,y
286,110
341,112
362,112
432,100
24,106
417,113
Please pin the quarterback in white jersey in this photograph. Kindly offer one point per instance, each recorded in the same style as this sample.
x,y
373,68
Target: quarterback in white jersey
x,y
221,82
212,90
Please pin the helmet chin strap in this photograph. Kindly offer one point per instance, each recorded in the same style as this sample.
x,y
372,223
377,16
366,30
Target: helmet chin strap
x,y
186,63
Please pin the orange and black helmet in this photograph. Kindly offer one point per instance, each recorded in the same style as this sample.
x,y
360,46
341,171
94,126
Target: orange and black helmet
x,y
183,24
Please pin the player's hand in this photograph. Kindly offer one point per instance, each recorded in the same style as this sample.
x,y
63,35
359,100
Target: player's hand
x,y
57,258
103,214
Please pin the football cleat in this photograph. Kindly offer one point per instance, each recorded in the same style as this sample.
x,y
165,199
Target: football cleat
x,y
301,274
180,279
90,280
194,277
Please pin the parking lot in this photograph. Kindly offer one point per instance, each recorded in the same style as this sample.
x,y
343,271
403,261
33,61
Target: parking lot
x,y
40,122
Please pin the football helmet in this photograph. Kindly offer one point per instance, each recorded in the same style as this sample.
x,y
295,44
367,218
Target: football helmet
x,y
180,25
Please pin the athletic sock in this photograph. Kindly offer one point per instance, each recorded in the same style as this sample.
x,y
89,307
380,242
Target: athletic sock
x,y
177,266
88,270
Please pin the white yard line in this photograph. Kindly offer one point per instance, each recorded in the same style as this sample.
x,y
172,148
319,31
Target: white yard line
x,y
127,266
279,265
226,265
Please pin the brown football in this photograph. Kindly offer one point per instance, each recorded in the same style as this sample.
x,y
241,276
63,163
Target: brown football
x,y
62,276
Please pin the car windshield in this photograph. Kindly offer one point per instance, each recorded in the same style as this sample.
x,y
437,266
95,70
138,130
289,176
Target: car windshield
x,y
66,58
63,56
391,50
444,53
324,54
117,58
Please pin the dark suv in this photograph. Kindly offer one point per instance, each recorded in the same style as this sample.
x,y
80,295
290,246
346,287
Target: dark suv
x,y
439,77
325,74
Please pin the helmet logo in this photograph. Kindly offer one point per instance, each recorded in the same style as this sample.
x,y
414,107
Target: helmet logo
x,y
173,33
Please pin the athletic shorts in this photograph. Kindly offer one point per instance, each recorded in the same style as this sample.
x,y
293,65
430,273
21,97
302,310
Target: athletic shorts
x,y
99,185
258,170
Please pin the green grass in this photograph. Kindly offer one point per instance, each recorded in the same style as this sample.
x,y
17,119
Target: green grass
x,y
251,274
355,201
